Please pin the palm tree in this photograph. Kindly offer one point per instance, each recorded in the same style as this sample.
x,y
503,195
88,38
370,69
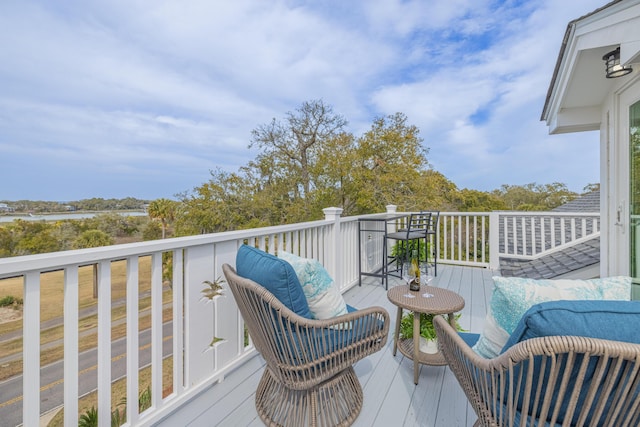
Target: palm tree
x,y
163,210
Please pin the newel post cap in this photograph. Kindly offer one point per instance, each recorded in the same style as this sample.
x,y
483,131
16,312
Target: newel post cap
x,y
332,213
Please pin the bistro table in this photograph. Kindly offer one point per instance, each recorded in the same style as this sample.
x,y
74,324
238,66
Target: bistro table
x,y
429,300
374,229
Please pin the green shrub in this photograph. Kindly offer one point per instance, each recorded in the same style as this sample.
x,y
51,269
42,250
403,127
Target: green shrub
x,y
10,300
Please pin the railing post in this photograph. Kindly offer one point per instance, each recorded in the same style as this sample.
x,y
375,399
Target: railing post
x,y
494,240
335,257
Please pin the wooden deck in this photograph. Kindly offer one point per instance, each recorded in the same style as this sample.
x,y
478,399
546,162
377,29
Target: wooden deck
x,y
390,396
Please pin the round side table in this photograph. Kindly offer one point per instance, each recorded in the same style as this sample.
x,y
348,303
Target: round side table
x,y
428,300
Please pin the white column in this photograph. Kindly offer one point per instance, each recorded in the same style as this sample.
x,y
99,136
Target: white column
x,y
494,241
336,259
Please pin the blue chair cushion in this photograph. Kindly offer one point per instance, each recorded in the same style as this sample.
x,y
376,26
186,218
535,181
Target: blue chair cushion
x,y
469,338
612,320
319,342
276,275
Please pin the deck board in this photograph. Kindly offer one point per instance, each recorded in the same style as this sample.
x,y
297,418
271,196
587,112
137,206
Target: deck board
x,y
390,397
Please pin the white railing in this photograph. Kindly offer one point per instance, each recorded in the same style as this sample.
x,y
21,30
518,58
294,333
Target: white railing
x,y
481,239
196,320
529,235
463,238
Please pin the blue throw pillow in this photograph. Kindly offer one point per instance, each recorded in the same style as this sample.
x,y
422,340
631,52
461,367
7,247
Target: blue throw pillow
x,y
610,320
274,274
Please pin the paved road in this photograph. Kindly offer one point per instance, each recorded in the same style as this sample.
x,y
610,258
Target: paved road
x,y
51,376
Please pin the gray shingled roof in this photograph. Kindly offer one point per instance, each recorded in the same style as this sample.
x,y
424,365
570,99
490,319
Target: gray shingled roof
x,y
556,264
565,261
589,202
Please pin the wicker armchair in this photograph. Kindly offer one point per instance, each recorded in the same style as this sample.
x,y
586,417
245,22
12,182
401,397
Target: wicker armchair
x,y
309,378
554,380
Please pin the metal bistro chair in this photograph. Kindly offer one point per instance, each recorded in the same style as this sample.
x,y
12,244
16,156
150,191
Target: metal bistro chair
x,y
416,230
308,378
432,240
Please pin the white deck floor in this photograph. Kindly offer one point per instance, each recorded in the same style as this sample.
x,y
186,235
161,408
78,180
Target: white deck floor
x,y
390,396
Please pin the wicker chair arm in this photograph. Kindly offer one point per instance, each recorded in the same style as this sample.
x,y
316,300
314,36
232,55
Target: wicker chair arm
x,y
556,379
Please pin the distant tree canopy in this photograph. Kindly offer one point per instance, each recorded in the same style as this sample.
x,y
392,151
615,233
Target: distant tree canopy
x,y
92,239
93,204
21,237
308,161
533,197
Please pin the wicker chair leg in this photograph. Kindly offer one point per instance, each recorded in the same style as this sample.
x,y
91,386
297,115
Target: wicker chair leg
x,y
336,402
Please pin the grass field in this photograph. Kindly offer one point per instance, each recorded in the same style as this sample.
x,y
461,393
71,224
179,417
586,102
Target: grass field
x,y
51,307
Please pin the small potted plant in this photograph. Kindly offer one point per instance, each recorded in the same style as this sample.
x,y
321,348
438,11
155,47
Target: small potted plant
x,y
428,337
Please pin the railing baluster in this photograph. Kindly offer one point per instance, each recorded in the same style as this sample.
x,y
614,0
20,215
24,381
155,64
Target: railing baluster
x,y
31,354
178,323
475,238
453,255
157,311
516,237
445,240
534,242
466,238
71,346
133,346
523,241
104,343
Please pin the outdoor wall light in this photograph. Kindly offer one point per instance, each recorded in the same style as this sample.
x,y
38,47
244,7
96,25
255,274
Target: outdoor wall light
x,y
613,67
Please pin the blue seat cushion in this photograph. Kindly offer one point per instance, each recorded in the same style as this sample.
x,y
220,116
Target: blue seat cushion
x,y
316,343
276,275
611,320
469,338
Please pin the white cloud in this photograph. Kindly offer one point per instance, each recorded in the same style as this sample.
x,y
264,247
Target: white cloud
x,y
172,89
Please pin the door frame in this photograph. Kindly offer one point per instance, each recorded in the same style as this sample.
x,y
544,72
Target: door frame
x,y
619,217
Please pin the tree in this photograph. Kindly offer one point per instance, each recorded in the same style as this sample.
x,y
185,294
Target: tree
x,y
92,239
34,237
479,201
390,166
7,242
163,210
589,188
296,144
533,197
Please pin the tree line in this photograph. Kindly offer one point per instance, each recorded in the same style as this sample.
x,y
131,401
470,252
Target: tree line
x,y
93,204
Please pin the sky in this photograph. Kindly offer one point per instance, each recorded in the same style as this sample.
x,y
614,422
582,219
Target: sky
x,y
143,98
